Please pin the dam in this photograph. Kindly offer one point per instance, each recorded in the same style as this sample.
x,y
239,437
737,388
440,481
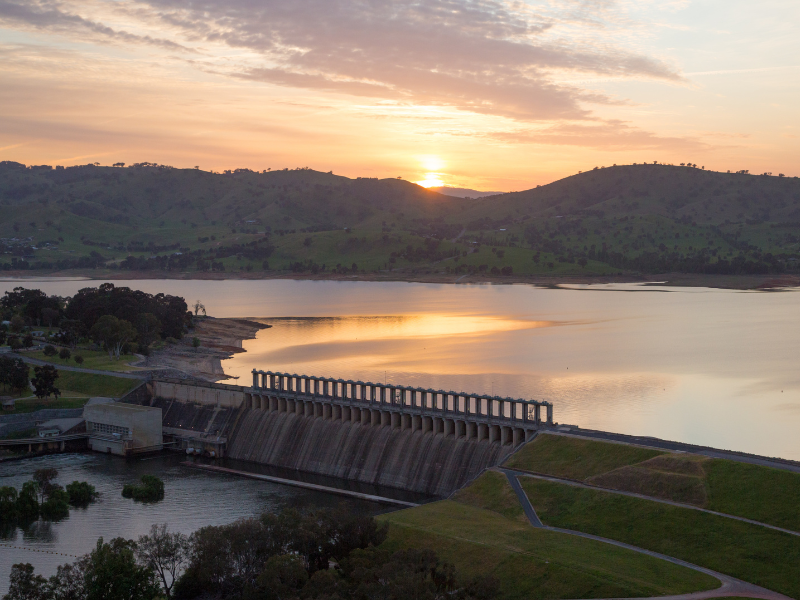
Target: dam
x,y
417,439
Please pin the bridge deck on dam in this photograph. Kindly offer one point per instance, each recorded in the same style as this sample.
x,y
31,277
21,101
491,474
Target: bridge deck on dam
x,y
457,414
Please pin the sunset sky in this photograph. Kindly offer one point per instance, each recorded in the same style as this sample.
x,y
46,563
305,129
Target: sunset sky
x,y
486,94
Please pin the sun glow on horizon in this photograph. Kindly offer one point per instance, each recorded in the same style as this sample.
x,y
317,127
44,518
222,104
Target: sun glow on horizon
x,y
431,180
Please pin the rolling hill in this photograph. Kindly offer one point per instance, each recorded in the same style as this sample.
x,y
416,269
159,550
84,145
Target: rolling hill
x,y
622,219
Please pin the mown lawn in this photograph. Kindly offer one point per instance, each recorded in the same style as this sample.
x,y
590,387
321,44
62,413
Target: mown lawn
x,y
533,563
91,384
92,359
750,552
576,458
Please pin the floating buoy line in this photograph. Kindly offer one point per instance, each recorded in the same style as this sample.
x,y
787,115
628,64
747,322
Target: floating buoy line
x,y
39,551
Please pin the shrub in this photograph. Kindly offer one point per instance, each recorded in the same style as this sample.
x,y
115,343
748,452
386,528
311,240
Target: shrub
x,y
150,490
56,506
78,359
81,493
64,354
49,350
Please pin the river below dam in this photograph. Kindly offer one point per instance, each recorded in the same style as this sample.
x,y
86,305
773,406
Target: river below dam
x,y
193,499
698,365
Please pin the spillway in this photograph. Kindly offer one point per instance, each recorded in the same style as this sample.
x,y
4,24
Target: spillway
x,y
427,462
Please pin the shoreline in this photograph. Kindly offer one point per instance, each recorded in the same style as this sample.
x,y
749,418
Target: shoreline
x,y
731,282
220,339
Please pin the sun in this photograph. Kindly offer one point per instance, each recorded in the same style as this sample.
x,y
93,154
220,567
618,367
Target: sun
x,y
431,180
431,162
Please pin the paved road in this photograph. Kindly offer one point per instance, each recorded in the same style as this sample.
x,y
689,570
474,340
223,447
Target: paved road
x,y
730,586
512,474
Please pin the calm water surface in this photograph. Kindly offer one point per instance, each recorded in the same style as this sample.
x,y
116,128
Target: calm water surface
x,y
698,365
193,499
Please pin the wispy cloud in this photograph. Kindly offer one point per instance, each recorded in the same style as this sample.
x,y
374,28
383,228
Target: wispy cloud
x,y
46,15
608,135
485,56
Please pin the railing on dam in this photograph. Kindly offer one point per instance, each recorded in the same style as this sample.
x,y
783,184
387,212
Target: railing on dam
x,y
472,416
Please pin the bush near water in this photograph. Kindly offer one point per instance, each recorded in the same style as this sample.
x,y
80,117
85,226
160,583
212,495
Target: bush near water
x,y
150,490
41,497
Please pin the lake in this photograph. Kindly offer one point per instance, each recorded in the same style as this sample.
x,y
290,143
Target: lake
x,y
698,365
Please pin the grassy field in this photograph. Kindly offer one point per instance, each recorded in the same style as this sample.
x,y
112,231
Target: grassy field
x,y
90,384
576,458
92,359
749,552
533,563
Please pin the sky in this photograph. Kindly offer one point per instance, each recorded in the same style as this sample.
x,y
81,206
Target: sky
x,y
483,94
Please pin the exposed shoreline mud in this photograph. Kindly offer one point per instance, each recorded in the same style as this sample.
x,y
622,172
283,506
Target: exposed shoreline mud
x,y
219,340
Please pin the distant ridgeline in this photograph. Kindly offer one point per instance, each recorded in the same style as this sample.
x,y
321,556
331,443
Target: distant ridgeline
x,y
646,218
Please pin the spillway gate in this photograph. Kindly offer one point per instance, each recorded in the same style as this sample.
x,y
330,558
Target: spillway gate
x,y
460,415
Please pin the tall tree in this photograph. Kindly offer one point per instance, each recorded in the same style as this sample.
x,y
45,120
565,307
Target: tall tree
x,y
149,328
14,373
113,334
24,585
112,572
166,553
44,380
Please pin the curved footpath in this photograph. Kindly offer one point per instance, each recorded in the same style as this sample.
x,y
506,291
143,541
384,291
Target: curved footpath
x,y
579,484
730,586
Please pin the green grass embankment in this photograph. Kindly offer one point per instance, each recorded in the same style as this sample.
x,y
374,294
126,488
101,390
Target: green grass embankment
x,y
28,405
482,530
92,384
576,458
92,359
760,493
750,552
76,388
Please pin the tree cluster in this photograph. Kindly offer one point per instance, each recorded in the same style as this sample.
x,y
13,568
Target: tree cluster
x,y
90,304
322,554
42,497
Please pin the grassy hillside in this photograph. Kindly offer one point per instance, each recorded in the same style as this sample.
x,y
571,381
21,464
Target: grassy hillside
x,y
751,491
756,554
482,531
625,219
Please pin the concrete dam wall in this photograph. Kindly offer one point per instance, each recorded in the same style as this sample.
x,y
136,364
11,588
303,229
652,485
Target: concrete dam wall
x,y
412,459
